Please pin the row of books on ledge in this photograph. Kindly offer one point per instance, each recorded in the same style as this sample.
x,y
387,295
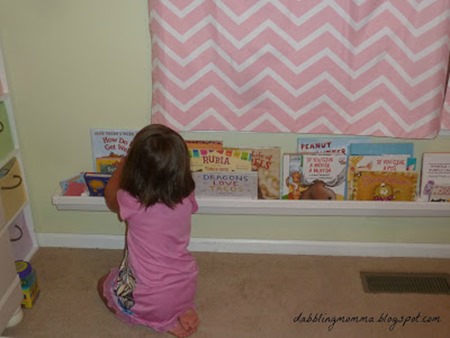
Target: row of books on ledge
x,y
321,168
336,168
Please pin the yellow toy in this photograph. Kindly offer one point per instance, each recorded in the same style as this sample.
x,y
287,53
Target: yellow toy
x,y
28,282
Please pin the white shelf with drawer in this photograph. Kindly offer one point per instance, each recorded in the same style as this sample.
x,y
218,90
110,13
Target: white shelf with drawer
x,y
17,237
13,188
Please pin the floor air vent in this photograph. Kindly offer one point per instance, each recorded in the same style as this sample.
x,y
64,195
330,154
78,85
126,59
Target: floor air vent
x,y
406,283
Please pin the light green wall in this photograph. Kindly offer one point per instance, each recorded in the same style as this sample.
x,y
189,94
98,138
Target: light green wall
x,y
79,64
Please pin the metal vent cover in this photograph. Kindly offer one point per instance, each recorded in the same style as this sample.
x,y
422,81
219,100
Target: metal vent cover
x,y
427,283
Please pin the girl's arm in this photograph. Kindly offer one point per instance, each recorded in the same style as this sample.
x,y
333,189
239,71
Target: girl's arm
x,y
112,187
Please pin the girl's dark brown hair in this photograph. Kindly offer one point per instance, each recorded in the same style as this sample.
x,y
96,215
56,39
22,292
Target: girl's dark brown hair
x,y
157,167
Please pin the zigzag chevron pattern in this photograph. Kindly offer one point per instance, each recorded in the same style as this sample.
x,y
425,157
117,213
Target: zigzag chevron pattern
x,y
361,67
446,111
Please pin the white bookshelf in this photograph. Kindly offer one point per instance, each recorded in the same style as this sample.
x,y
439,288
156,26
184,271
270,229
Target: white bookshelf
x,y
280,207
15,210
28,246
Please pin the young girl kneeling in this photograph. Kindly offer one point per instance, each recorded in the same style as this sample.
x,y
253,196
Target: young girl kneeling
x,y
152,190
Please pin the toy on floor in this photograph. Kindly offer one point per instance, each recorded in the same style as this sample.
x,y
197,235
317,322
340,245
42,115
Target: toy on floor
x,y
28,281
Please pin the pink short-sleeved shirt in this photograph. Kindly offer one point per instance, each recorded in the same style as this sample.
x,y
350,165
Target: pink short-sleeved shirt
x,y
164,270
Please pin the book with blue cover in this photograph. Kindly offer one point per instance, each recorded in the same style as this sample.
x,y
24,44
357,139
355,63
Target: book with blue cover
x,y
382,149
96,182
334,144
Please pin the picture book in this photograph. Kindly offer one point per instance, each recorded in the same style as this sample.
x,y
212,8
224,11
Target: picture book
x,y
377,163
225,184
96,183
110,143
267,162
378,157
227,159
314,176
292,168
107,164
440,193
204,144
382,149
336,144
435,177
73,186
324,176
385,186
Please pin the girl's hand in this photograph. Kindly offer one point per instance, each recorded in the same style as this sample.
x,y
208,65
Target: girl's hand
x,y
112,187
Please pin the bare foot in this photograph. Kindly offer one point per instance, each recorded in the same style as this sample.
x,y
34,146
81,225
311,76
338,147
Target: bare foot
x,y
178,331
187,324
189,321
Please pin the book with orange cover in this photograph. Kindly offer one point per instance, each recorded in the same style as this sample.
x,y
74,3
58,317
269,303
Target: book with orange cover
x,y
385,186
388,163
204,144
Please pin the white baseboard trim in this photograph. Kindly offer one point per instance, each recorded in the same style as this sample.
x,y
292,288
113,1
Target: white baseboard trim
x,y
318,248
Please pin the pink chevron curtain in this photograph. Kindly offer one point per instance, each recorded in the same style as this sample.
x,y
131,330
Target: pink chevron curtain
x,y
446,110
360,67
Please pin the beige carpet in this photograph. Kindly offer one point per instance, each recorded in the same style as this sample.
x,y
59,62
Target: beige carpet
x,y
244,296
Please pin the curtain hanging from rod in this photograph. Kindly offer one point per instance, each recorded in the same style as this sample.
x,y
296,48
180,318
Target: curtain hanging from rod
x,y
358,67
